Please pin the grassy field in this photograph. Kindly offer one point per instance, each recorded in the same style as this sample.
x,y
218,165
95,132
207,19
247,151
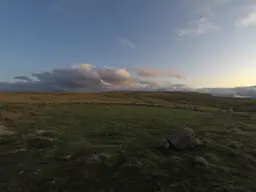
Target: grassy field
x,y
173,99
115,147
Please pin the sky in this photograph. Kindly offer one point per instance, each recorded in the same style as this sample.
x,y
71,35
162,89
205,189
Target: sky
x,y
123,43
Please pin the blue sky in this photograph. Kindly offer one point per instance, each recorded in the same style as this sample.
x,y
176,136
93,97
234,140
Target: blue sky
x,y
211,42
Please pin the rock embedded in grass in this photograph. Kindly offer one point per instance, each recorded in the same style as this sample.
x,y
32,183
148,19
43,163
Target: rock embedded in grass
x,y
212,157
4,130
182,139
45,133
166,144
38,142
198,142
201,161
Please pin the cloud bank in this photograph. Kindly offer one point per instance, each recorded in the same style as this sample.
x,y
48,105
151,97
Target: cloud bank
x,y
86,77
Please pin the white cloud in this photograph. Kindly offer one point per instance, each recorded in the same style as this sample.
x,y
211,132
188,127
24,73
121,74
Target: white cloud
x,y
86,77
247,20
126,42
23,78
207,7
198,27
214,10
204,10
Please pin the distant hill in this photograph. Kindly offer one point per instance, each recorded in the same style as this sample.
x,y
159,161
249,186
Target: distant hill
x,y
241,92
186,100
238,92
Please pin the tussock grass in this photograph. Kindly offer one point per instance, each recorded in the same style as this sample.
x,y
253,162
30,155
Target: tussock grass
x,y
101,147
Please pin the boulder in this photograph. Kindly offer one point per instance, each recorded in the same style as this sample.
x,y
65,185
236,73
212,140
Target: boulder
x,y
181,139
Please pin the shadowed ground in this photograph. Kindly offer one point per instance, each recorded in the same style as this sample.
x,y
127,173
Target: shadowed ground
x,y
101,147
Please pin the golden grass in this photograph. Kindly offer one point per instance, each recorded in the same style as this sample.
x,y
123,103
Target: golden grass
x,y
172,99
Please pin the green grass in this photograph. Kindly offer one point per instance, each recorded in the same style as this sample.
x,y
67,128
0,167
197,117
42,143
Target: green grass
x,y
126,140
171,99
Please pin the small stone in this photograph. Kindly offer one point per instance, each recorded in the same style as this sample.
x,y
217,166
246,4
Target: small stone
x,y
45,133
38,142
166,144
36,173
201,161
176,159
94,157
4,130
139,163
21,172
67,157
199,142
212,157
102,158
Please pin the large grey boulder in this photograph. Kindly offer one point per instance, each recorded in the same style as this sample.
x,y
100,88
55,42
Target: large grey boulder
x,y
181,139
